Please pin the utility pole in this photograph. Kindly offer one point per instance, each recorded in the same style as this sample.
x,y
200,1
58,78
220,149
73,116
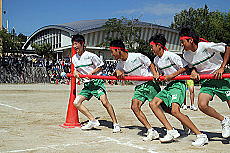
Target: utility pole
x,y
0,14
0,26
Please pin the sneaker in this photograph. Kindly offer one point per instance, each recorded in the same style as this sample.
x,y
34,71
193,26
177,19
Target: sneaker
x,y
184,107
171,134
193,107
90,125
201,139
225,127
151,135
116,128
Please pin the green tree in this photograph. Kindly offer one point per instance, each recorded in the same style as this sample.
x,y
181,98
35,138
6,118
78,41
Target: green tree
x,y
11,43
213,26
123,29
7,42
129,31
44,50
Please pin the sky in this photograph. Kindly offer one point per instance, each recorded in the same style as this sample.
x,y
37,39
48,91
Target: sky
x,y
27,16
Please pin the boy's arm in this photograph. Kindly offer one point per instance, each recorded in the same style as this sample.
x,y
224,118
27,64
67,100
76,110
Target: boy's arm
x,y
76,74
218,73
98,69
155,73
194,74
173,75
119,74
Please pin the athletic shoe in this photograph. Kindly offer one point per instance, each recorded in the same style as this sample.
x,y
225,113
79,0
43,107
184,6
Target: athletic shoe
x,y
90,125
151,135
184,107
171,134
226,127
193,107
116,128
201,139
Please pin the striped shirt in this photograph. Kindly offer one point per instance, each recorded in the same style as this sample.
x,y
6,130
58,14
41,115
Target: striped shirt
x,y
86,63
136,64
169,63
206,59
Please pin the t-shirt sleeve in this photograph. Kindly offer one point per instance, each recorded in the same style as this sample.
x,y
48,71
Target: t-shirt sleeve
x,y
217,47
176,59
119,66
97,61
189,65
145,60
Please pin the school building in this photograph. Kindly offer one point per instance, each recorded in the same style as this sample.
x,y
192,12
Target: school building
x,y
59,36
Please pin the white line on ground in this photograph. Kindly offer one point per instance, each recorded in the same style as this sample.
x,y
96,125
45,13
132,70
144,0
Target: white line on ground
x,y
205,116
11,107
103,139
129,143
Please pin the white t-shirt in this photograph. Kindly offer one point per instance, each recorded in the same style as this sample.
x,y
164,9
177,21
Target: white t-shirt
x,y
206,59
136,64
86,63
169,63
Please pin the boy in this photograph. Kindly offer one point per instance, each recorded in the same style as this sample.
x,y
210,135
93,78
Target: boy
x,y
137,64
90,64
205,58
173,94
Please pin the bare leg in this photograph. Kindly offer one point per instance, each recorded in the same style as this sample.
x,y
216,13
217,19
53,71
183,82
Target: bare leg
x,y
136,108
203,101
78,104
228,101
154,105
108,107
183,118
191,91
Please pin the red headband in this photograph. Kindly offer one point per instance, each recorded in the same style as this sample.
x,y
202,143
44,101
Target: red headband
x,y
121,48
153,43
187,37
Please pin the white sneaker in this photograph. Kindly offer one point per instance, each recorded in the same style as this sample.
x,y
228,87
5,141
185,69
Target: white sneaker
x,y
225,127
171,134
201,139
151,135
184,107
116,128
90,125
193,107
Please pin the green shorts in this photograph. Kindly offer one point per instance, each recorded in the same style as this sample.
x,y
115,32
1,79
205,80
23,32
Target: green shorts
x,y
174,92
221,88
146,91
93,88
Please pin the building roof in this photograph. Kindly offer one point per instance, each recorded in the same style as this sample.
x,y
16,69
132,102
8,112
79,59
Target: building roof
x,y
87,26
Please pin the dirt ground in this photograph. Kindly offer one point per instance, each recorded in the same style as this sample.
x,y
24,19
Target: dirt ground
x,y
31,115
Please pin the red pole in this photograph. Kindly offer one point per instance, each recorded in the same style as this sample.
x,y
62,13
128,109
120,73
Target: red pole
x,y
144,78
72,119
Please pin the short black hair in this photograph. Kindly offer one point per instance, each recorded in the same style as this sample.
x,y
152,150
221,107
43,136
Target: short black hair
x,y
117,43
158,38
187,31
78,38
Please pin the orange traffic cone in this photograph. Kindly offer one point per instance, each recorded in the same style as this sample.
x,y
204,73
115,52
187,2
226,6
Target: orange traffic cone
x,y
72,119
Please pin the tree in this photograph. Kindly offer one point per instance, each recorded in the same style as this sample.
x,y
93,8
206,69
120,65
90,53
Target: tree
x,y
44,50
129,31
124,29
213,26
7,42
11,43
